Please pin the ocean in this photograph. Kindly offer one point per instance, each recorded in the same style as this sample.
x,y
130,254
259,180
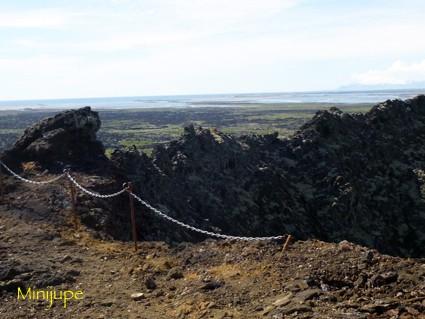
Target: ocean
x,y
215,100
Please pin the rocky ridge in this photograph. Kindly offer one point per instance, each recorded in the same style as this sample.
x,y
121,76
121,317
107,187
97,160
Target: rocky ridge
x,y
342,176
356,177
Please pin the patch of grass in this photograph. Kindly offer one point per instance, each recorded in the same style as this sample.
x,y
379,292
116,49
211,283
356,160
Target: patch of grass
x,y
146,128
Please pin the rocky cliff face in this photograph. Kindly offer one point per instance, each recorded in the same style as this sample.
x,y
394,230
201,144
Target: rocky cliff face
x,y
359,177
67,138
364,175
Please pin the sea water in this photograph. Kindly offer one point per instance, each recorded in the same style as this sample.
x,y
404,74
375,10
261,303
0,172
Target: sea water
x,y
216,100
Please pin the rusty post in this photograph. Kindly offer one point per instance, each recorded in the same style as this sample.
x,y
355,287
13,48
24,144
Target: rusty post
x,y
2,186
287,242
133,216
73,195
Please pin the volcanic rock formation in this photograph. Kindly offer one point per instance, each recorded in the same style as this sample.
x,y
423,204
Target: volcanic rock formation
x,y
356,177
67,138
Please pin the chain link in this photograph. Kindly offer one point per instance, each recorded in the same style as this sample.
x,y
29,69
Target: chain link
x,y
201,231
155,210
30,181
93,194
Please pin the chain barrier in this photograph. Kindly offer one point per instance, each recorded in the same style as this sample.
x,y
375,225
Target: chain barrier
x,y
201,231
144,203
93,194
31,181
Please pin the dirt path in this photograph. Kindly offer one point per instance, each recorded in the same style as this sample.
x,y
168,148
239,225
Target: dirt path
x,y
212,279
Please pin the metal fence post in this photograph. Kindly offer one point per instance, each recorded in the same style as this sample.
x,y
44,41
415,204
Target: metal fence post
x,y
2,185
73,195
287,242
133,216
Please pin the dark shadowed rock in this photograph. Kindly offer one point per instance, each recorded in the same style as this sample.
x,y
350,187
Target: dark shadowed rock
x,y
175,273
384,279
355,177
67,138
212,285
150,283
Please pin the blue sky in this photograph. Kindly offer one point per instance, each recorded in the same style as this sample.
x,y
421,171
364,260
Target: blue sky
x,y
92,48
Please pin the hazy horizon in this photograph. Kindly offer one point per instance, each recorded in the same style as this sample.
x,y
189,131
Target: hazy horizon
x,y
341,90
215,100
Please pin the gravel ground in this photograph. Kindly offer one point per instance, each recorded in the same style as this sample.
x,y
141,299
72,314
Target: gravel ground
x,y
40,247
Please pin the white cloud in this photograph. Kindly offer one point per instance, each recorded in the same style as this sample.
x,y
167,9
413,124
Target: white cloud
x,y
42,18
398,73
161,11
131,47
209,10
344,42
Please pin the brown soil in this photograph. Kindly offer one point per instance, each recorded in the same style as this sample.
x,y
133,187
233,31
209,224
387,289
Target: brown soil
x,y
212,279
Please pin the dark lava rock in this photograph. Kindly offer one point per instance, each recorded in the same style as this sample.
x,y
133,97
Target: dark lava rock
x,y
212,285
73,273
11,285
380,307
368,257
175,273
150,283
9,270
51,279
67,138
383,279
14,274
355,177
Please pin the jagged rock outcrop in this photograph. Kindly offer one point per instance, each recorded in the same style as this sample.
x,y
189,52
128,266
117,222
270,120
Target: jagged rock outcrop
x,y
362,174
214,181
358,177
67,138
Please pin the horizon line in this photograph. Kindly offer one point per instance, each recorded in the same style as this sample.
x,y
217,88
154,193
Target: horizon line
x,y
210,94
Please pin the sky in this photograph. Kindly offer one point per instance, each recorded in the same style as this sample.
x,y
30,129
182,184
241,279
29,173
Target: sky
x,y
98,48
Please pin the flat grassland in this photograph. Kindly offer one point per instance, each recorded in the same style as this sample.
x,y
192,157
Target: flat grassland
x,y
147,127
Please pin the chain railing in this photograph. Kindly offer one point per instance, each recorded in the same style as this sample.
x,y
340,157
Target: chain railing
x,y
67,174
31,181
88,192
201,231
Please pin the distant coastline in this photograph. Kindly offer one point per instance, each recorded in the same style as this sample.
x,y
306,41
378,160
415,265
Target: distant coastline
x,y
215,100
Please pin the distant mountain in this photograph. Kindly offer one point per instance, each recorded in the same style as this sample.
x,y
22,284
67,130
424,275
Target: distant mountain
x,y
376,87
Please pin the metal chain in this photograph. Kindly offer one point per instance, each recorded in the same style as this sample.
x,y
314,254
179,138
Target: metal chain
x,y
155,210
93,194
205,232
30,181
